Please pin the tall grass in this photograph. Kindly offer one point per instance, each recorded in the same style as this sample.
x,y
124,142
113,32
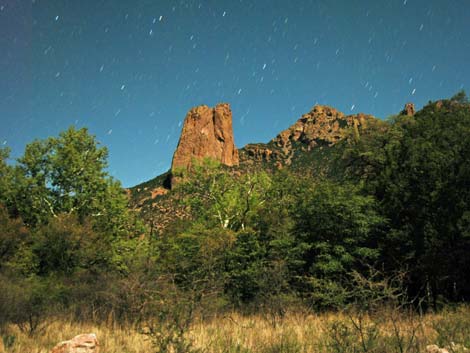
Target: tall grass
x,y
295,333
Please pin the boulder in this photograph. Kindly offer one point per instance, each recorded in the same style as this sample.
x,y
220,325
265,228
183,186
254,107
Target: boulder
x,y
86,343
435,349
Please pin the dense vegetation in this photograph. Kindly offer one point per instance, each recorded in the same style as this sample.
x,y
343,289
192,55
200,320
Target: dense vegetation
x,y
393,228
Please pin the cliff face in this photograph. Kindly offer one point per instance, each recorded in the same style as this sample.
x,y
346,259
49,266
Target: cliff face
x,y
310,145
207,133
322,127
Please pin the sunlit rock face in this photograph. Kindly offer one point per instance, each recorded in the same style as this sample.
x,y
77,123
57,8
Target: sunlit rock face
x,y
409,109
207,133
323,126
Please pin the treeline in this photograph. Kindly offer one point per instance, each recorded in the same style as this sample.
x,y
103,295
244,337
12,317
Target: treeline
x,y
67,235
394,225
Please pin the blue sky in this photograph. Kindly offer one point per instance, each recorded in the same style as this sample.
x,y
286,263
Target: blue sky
x,y
130,70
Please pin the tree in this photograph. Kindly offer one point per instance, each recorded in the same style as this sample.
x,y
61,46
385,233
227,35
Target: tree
x,y
426,196
340,229
460,97
29,302
418,169
67,174
223,199
12,234
8,182
4,175
64,246
245,267
195,261
64,174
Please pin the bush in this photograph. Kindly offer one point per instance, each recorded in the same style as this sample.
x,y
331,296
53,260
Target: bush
x,y
29,302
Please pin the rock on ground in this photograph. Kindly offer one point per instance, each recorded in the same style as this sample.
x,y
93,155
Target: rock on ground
x,y
435,349
86,343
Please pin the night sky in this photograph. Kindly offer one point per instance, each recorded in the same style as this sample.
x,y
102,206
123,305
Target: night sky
x,y
130,70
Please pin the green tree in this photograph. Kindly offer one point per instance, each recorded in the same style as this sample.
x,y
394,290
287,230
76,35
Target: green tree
x,y
64,246
67,174
460,97
426,196
221,198
418,170
194,261
33,200
245,267
5,177
12,234
339,228
29,302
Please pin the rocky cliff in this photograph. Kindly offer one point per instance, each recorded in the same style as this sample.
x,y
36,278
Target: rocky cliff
x,y
322,127
310,146
207,133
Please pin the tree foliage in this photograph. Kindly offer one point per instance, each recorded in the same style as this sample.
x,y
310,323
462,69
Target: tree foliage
x,y
420,173
249,240
67,174
221,199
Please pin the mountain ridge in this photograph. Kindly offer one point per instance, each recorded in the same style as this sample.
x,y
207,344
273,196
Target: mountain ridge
x,y
306,146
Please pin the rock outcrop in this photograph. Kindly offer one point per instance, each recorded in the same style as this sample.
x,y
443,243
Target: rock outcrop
x,y
86,343
409,110
158,192
323,126
308,146
207,133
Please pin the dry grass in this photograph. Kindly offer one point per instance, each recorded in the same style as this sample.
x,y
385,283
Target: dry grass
x,y
112,339
243,334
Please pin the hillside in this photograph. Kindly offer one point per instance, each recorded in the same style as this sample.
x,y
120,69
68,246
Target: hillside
x,y
344,213
311,146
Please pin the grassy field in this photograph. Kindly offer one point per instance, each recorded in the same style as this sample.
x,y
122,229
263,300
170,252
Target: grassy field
x,y
295,332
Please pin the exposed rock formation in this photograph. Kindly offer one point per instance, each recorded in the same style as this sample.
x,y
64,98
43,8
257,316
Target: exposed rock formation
x,y
207,133
435,349
409,109
260,152
86,343
158,191
322,126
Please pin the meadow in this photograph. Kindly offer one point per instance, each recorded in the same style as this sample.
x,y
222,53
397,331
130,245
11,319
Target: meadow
x,y
387,331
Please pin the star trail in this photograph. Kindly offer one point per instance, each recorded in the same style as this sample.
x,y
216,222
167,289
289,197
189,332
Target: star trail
x,y
130,70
